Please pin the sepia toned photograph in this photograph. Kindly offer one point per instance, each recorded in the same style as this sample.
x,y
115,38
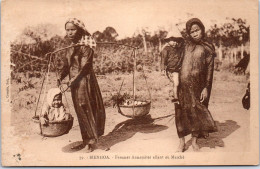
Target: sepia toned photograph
x,y
129,83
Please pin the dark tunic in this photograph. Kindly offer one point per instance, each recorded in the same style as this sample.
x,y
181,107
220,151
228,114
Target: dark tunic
x,y
86,95
193,117
171,56
171,59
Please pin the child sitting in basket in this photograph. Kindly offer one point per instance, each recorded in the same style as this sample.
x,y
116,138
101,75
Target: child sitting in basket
x,y
172,60
54,109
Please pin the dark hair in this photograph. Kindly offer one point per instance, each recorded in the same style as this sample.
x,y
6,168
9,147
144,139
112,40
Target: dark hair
x,y
193,21
59,96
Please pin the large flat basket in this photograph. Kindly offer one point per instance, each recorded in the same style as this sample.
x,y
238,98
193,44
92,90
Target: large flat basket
x,y
135,111
54,128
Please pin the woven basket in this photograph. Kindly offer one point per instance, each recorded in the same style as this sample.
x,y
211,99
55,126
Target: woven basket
x,y
135,111
54,128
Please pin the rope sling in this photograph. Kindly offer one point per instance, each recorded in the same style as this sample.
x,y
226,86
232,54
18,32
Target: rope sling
x,y
135,111
54,128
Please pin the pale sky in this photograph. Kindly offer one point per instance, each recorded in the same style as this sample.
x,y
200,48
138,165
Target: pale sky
x,y
126,16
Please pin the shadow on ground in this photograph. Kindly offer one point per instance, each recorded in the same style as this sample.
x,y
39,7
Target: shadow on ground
x,y
216,139
122,132
127,129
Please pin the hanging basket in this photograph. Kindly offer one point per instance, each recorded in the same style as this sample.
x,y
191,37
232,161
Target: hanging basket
x,y
135,111
54,128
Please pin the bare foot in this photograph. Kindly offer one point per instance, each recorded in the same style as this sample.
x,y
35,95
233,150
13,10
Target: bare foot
x,y
80,146
77,147
195,147
89,148
181,145
180,148
194,144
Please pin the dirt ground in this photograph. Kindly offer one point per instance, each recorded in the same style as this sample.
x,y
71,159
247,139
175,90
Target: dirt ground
x,y
155,133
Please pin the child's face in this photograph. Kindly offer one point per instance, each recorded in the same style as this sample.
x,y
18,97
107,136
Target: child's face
x,y
57,101
173,43
196,32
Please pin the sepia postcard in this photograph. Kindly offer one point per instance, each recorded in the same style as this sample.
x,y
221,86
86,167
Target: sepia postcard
x,y
129,82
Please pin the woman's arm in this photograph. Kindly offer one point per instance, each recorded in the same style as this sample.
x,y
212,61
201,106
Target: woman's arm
x,y
209,77
62,67
63,74
209,69
86,62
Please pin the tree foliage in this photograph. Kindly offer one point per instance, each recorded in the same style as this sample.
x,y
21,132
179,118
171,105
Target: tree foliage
x,y
232,33
28,50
